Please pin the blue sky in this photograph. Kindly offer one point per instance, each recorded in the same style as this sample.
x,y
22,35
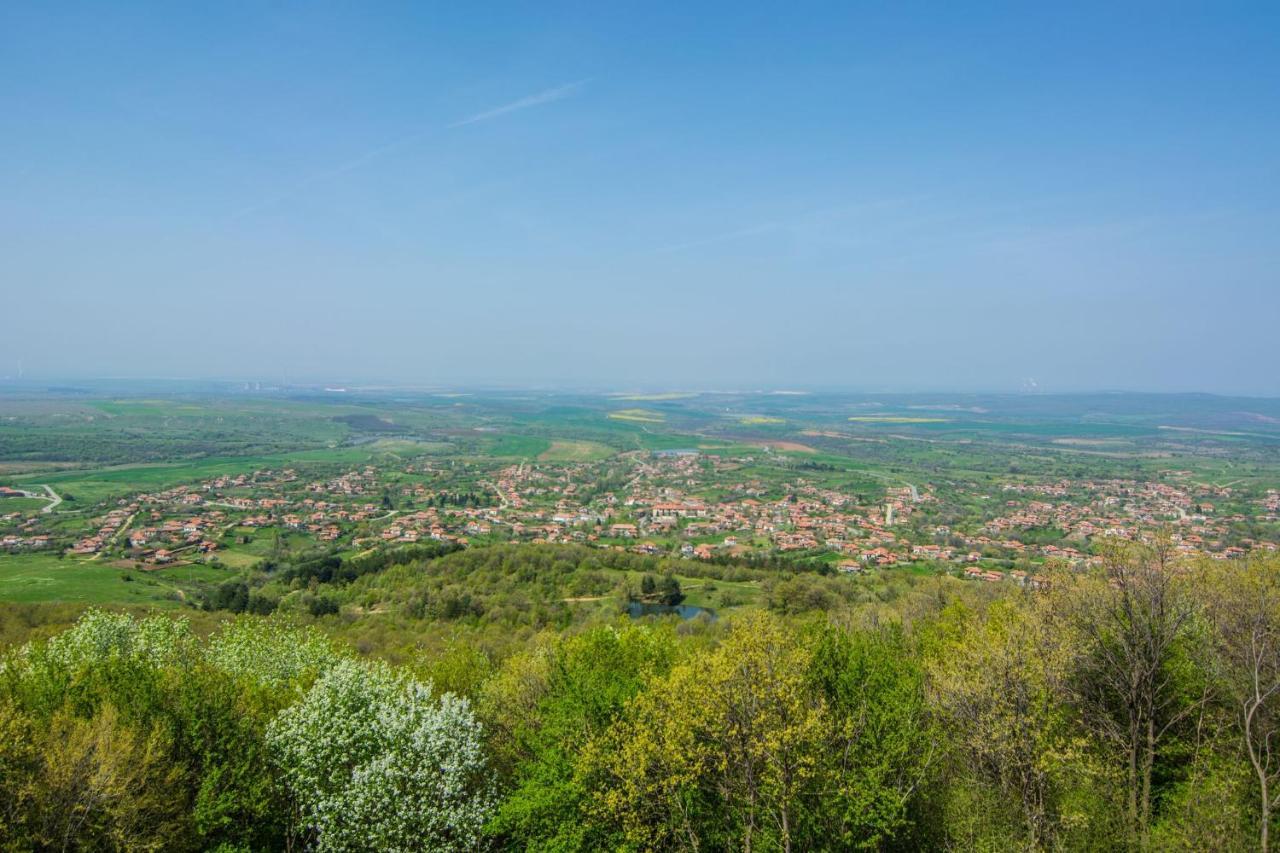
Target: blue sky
x,y
867,196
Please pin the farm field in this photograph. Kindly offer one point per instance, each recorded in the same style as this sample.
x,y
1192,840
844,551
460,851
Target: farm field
x,y
644,416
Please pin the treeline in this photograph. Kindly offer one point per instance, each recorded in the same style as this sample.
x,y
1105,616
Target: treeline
x,y
529,586
330,568
511,585
253,595
773,561
660,589
1134,707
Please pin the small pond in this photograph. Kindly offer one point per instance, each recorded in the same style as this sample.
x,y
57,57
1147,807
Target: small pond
x,y
638,609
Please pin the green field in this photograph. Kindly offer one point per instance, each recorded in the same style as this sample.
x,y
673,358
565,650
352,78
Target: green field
x,y
238,557
450,447
519,446
8,505
645,416
719,595
576,451
31,578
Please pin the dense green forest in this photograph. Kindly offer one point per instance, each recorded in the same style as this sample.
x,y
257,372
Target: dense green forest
x,y
1134,707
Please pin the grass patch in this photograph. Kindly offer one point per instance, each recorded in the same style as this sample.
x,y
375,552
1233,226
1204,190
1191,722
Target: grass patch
x,y
576,451
521,446
34,578
719,595
644,416
8,505
237,559
192,573
897,419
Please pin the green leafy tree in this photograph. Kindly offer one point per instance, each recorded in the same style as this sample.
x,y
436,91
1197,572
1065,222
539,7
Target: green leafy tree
x,y
998,684
724,752
880,742
582,684
1136,678
1243,604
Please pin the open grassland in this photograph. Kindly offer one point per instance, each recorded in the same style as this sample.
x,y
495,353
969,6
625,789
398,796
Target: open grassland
x,y
24,505
644,416
518,446
789,446
720,595
184,575
576,451
262,542
238,557
30,578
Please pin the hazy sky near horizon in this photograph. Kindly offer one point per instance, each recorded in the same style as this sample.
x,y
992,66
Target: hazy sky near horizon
x,y
942,195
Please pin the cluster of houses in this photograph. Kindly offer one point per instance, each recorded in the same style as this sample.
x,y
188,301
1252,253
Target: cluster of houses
x,y
542,504
22,532
1127,509
660,509
16,542
108,527
700,506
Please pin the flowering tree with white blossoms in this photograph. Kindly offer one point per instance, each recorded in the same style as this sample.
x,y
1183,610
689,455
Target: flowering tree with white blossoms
x,y
271,654
99,637
376,763
99,642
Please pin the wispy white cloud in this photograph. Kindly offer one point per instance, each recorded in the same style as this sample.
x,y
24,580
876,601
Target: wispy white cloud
x,y
810,221
751,231
547,96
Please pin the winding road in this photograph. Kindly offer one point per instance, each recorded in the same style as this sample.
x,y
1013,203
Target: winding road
x,y
55,499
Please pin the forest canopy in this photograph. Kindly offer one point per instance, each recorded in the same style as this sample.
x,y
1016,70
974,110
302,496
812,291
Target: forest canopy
x,y
1130,707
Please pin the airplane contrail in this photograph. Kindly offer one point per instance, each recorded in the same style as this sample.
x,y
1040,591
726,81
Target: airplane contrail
x,y
546,96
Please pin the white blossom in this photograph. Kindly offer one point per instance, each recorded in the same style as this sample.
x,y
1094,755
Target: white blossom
x,y
99,637
377,764
271,654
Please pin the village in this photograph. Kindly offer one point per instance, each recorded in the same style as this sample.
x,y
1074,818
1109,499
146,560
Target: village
x,y
674,503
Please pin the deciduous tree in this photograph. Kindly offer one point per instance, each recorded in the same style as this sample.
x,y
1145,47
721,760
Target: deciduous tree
x,y
1243,603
